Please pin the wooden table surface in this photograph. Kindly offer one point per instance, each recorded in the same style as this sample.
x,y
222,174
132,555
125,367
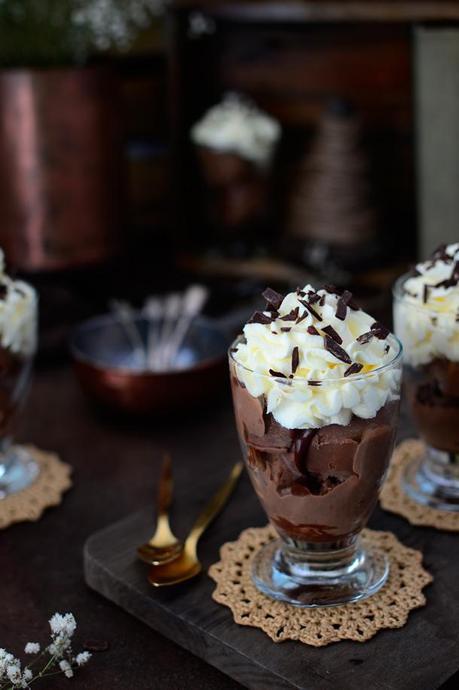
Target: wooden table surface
x,y
115,468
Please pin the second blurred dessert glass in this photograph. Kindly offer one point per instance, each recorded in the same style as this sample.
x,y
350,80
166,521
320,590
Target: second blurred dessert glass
x,y
235,144
426,304
18,322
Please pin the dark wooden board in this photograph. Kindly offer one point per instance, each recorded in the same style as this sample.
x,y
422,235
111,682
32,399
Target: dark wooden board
x,y
421,656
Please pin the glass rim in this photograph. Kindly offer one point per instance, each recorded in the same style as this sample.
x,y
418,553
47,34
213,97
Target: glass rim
x,y
399,296
327,382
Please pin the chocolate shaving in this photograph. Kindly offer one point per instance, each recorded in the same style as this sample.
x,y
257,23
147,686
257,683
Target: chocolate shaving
x,y
300,292
425,294
348,296
333,334
453,280
313,297
379,330
273,298
292,316
353,369
259,317
341,309
233,349
365,337
303,317
313,383
346,300
440,254
322,301
286,330
274,314
295,359
277,374
336,350
312,330
310,309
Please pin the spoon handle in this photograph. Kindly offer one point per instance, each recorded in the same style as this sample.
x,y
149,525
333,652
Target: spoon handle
x,y
165,485
215,504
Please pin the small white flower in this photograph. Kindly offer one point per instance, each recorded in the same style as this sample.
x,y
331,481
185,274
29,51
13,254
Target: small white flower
x,y
63,624
66,668
5,660
26,678
82,658
32,648
14,673
52,649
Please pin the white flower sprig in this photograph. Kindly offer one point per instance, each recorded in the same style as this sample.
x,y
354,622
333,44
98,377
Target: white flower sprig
x,y
57,658
115,23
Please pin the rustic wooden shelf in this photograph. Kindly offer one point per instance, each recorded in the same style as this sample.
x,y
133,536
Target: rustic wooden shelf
x,y
310,11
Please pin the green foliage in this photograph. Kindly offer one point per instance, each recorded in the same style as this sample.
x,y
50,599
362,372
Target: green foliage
x,y
45,33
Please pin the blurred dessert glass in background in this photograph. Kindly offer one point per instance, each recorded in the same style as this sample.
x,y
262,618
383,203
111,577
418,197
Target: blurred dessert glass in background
x,y
235,143
18,326
426,317
316,385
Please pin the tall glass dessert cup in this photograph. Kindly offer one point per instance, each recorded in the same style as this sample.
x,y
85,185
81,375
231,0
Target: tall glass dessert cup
x,y
18,322
426,318
316,386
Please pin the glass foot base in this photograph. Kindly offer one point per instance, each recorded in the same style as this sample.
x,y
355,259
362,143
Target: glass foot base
x,y
426,485
18,470
319,579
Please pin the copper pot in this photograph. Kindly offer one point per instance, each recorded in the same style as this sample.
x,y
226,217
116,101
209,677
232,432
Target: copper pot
x,y
60,163
103,361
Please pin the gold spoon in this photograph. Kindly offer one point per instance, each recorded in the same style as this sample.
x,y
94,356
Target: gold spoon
x,y
187,564
164,545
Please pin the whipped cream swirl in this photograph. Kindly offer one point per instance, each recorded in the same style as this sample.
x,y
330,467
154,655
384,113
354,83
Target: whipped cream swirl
x,y
236,125
317,359
426,308
18,314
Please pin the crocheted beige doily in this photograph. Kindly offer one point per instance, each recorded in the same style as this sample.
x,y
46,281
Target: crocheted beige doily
x,y
394,499
52,481
359,621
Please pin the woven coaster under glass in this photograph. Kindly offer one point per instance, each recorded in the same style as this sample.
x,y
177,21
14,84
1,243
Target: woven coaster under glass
x,y
359,621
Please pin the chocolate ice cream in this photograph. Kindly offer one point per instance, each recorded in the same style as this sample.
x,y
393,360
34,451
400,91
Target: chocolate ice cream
x,y
315,484
434,397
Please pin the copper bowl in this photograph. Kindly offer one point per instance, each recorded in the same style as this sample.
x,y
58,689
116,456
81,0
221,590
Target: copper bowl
x,y
105,366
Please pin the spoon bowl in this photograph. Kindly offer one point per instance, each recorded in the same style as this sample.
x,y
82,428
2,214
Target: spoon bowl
x,y
183,568
163,545
157,555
